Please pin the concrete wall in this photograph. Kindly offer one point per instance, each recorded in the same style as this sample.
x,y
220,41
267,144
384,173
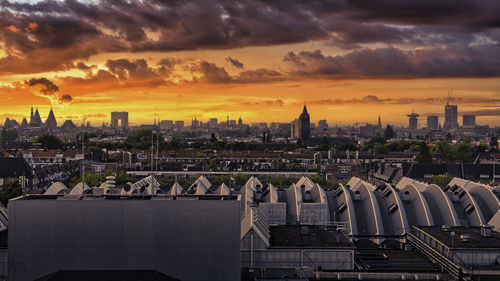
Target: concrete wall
x,y
188,240
328,259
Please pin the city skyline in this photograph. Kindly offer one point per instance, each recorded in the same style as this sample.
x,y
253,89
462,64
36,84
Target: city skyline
x,y
348,62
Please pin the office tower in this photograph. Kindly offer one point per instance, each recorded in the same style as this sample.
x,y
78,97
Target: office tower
x,y
469,121
413,121
179,124
450,117
240,122
432,122
212,123
379,122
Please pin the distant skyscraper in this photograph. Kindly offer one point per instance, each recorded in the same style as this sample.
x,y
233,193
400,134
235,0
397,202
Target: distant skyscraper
x,y
195,123
379,122
240,122
322,125
305,126
432,122
295,129
179,124
413,121
469,121
212,123
450,117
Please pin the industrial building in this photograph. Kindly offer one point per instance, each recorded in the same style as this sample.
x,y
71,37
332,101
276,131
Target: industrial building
x,y
411,230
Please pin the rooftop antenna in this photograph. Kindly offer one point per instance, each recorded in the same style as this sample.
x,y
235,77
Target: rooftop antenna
x,y
449,96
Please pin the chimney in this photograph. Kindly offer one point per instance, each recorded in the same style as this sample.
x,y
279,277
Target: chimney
x,y
486,230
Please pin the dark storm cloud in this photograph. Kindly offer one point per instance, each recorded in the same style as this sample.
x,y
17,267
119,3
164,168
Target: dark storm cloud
x,y
134,69
234,62
49,90
47,86
451,61
51,35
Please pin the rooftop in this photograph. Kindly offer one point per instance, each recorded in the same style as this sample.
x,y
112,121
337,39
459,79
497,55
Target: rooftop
x,y
475,241
291,236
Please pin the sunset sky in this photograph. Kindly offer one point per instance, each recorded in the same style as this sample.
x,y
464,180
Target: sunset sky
x,y
349,61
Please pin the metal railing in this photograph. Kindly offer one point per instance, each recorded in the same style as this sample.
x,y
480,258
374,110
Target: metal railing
x,y
436,257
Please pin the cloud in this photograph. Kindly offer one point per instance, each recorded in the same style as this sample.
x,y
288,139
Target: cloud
x,y
47,89
391,62
483,112
373,99
268,103
234,62
50,35
213,73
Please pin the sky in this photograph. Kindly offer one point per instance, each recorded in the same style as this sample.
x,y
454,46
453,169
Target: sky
x,y
348,61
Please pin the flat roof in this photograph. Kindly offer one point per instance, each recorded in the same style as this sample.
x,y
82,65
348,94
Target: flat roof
x,y
126,197
474,232
312,236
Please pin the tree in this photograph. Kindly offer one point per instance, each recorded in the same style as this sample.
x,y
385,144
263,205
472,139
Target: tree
x,y
389,132
11,188
213,138
49,142
441,180
380,148
324,146
463,152
424,155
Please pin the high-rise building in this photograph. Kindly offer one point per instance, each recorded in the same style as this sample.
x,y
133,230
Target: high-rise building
x,y
195,123
469,121
450,117
432,122
295,129
305,126
179,124
166,125
212,123
379,123
413,121
322,125
240,122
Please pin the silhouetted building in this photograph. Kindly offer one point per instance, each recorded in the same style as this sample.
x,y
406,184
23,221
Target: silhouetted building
x,y
432,122
121,117
35,120
469,121
212,123
413,121
305,126
450,117
51,122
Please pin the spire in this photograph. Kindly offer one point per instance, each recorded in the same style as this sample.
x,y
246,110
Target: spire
x,y
35,120
379,122
304,111
51,122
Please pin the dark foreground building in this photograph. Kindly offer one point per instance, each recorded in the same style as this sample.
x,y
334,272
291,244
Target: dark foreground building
x,y
182,239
